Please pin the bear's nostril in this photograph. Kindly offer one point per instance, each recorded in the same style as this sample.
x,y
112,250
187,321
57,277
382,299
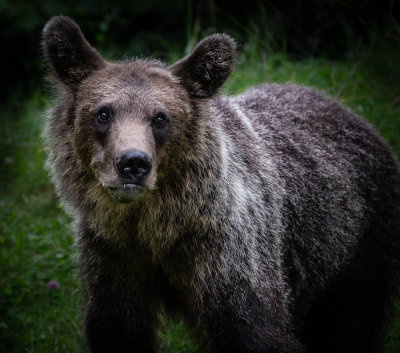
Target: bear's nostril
x,y
133,165
142,165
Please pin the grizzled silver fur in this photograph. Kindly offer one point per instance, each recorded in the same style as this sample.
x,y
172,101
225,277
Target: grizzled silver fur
x,y
270,221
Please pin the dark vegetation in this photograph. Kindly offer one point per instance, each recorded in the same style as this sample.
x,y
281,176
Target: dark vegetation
x,y
331,28
349,49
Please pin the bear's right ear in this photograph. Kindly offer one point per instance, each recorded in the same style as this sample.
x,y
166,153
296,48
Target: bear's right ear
x,y
70,56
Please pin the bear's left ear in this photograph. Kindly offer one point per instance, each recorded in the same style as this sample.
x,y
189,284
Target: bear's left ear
x,y
70,56
205,70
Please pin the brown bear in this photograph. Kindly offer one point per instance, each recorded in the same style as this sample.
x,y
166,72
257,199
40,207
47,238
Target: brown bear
x,y
269,221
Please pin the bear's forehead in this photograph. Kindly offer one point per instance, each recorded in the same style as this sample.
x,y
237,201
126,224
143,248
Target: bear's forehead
x,y
140,82
133,74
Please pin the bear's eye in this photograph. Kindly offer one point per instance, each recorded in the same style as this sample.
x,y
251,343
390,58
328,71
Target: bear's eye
x,y
103,116
160,120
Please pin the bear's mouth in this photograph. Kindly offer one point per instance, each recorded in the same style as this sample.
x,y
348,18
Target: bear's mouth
x,y
127,186
125,193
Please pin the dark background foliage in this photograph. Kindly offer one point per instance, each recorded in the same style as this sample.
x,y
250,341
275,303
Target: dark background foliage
x,y
144,27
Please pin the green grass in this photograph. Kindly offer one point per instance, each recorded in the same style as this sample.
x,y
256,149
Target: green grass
x,y
36,236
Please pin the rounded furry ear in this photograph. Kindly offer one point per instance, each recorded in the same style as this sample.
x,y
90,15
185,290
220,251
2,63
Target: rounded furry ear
x,y
70,56
205,70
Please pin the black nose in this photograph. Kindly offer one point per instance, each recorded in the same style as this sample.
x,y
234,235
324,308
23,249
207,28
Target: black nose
x,y
133,165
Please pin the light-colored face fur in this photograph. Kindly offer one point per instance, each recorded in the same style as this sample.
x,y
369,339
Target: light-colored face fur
x,y
134,95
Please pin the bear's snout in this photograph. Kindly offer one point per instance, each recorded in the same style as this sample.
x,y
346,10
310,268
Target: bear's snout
x,y
133,166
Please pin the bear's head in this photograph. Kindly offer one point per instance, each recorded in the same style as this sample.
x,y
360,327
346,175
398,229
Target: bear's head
x,y
129,117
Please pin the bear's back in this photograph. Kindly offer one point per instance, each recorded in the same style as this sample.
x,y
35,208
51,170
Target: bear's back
x,y
305,117
312,133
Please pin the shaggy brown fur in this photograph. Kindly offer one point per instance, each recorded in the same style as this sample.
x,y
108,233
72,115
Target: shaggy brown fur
x,y
269,221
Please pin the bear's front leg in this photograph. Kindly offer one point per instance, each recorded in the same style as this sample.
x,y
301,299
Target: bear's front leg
x,y
109,327
241,322
121,309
